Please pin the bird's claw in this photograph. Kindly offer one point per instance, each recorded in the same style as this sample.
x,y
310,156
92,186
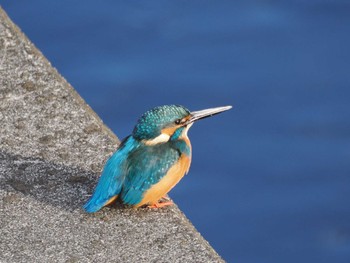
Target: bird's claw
x,y
165,198
162,204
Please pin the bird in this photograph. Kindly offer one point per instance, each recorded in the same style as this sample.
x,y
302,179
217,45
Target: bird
x,y
151,161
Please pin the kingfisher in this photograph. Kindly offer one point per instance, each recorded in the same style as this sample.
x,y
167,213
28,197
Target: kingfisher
x,y
151,161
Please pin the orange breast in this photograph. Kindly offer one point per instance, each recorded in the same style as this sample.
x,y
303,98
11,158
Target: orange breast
x,y
172,177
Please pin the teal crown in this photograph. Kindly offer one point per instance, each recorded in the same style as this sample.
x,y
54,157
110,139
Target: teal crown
x,y
151,123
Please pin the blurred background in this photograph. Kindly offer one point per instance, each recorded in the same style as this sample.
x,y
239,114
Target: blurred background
x,y
270,179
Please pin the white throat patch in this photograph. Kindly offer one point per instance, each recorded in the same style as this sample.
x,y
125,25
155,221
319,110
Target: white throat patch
x,y
185,131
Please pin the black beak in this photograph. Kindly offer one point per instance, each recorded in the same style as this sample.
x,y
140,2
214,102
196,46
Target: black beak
x,y
197,115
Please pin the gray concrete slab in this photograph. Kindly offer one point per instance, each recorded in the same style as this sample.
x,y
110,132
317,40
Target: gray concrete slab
x,y
52,149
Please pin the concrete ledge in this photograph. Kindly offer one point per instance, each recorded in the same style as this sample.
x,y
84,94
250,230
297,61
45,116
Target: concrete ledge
x,y
52,148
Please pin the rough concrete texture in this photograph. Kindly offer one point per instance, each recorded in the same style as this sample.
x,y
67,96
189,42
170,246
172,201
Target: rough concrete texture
x,y
52,148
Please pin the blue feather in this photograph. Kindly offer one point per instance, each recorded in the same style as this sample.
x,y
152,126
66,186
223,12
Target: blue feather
x,y
113,176
146,166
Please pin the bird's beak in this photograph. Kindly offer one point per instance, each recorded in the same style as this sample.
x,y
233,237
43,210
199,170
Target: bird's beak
x,y
197,115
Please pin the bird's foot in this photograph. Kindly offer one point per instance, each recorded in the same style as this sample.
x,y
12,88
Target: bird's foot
x,y
162,204
165,198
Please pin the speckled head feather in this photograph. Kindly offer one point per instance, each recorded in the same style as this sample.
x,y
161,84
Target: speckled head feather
x,y
153,121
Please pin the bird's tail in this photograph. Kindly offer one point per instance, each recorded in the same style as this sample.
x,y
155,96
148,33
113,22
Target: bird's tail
x,y
93,205
112,178
108,187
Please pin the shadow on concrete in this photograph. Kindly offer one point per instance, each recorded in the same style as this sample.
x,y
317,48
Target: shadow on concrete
x,y
58,185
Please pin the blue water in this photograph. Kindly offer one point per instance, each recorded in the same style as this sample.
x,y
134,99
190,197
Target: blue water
x,y
270,179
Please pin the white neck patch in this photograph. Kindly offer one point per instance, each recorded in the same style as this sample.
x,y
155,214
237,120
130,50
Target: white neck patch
x,y
159,139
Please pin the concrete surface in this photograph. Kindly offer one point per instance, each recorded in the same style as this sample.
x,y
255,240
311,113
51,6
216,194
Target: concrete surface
x,y
52,148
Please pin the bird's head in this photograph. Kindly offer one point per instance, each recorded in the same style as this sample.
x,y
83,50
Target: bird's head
x,y
169,122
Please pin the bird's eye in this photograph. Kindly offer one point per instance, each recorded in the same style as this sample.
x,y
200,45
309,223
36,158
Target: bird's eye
x,y
178,121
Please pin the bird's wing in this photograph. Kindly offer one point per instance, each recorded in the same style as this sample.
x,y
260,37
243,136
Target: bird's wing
x,y
112,177
146,166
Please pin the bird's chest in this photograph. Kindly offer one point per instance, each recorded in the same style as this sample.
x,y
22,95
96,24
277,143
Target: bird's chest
x,y
167,182
186,154
170,178
175,169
